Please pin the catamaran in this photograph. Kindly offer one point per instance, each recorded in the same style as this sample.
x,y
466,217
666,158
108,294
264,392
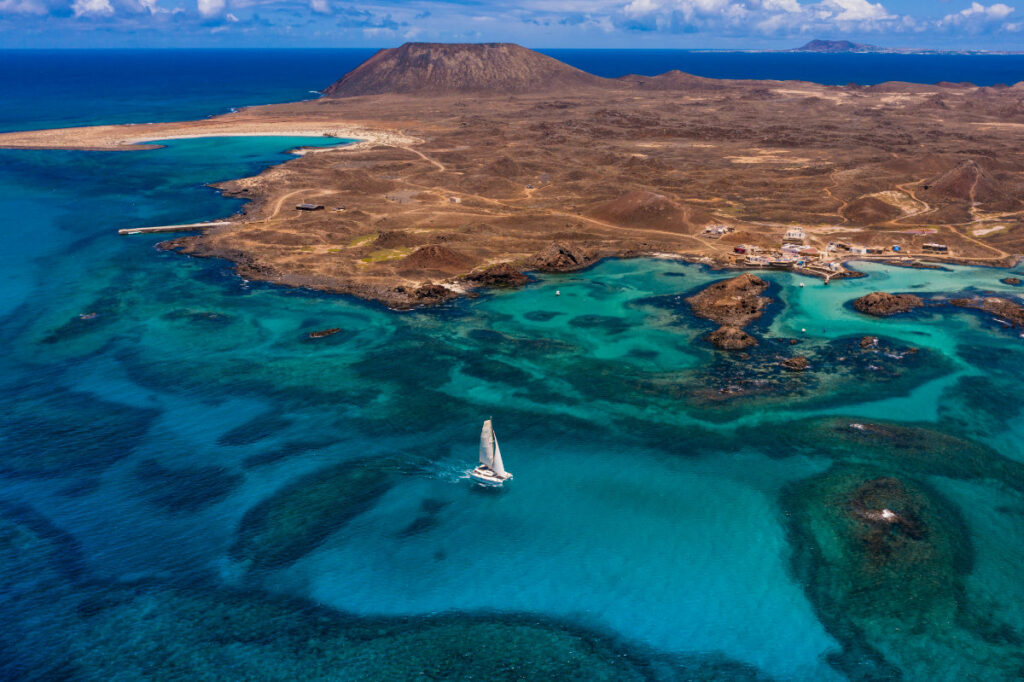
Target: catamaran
x,y
491,470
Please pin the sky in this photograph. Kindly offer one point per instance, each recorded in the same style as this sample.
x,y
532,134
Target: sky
x,y
681,24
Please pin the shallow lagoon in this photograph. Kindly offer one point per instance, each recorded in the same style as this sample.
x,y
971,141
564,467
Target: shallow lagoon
x,y
640,510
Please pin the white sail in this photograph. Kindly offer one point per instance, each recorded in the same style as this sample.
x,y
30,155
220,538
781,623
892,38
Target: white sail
x,y
486,444
496,465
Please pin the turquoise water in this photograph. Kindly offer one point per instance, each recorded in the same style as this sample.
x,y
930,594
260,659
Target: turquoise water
x,y
193,488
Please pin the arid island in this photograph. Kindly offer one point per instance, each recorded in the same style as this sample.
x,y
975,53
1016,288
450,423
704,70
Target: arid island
x,y
478,163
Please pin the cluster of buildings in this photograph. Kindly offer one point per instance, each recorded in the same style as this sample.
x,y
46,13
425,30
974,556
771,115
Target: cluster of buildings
x,y
794,253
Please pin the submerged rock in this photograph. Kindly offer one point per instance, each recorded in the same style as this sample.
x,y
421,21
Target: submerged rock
x,y
912,449
324,333
884,561
1012,281
795,364
882,304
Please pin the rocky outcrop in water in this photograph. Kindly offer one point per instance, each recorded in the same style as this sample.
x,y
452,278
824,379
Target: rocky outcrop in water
x,y
882,304
1012,281
1006,311
731,338
736,302
795,364
1003,309
733,303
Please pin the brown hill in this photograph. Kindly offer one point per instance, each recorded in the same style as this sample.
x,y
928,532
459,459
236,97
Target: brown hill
x,y
437,258
969,183
673,80
867,210
443,68
641,208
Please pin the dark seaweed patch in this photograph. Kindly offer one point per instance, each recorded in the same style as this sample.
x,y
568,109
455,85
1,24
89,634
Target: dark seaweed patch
x,y
606,323
297,519
184,490
541,315
66,433
254,430
289,449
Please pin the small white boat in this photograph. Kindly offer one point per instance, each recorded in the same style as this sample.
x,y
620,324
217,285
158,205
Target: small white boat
x,y
491,470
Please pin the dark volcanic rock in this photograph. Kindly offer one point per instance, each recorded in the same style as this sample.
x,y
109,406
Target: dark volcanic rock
x,y
881,304
500,275
560,257
433,293
324,332
796,364
733,302
731,338
443,68
1001,308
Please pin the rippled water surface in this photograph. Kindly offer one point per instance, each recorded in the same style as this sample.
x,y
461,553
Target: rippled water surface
x,y
193,487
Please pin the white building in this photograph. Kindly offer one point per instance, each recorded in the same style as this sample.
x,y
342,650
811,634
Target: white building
x,y
794,234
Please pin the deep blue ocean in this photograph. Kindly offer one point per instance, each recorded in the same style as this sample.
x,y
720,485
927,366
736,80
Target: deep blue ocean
x,y
49,88
192,488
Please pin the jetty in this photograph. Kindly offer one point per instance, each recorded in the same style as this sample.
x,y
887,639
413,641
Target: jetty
x,y
173,228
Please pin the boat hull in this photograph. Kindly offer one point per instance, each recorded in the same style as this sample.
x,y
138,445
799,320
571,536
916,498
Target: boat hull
x,y
488,477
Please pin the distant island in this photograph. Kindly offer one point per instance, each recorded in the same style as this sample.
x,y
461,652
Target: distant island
x,y
481,162
848,47
838,46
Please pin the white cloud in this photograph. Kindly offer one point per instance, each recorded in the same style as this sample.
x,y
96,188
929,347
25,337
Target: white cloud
x,y
764,16
97,8
320,6
856,10
210,8
22,7
978,19
977,12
